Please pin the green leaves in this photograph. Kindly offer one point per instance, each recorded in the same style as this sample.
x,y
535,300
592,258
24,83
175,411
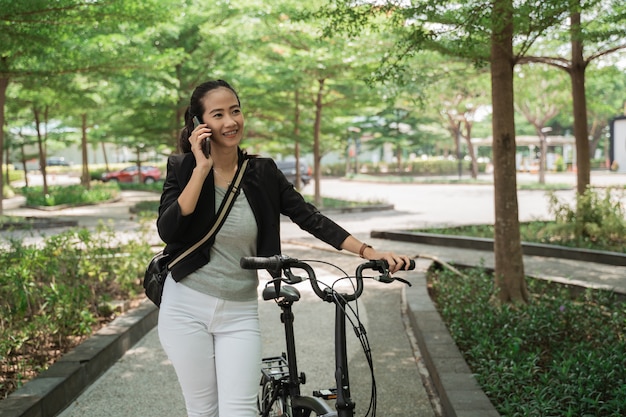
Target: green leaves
x,y
70,194
557,356
51,295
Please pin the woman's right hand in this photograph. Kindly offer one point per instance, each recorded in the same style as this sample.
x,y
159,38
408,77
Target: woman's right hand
x,y
199,135
188,198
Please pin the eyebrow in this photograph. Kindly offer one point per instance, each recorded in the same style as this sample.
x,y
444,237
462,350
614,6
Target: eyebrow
x,y
234,106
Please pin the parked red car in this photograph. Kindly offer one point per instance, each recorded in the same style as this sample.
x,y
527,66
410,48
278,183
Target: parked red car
x,y
149,174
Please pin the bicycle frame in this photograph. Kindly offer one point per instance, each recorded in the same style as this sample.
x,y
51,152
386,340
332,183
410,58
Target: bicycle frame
x,y
344,404
298,405
286,386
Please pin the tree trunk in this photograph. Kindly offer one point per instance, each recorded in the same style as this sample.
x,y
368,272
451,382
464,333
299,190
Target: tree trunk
x,y
510,284
316,141
470,149
577,74
23,159
84,177
596,135
4,84
42,152
7,158
138,158
457,147
543,149
105,156
398,158
296,135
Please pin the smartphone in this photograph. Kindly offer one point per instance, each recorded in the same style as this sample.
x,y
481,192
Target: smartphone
x,y
206,143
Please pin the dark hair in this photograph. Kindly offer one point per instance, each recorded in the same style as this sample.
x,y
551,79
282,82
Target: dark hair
x,y
196,108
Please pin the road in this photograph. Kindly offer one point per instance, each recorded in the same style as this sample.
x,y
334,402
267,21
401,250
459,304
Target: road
x,y
432,205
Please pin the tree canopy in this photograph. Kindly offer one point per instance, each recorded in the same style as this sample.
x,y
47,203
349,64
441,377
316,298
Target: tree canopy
x,y
121,71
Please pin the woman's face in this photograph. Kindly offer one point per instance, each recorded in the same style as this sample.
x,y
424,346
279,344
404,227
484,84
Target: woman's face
x,y
223,116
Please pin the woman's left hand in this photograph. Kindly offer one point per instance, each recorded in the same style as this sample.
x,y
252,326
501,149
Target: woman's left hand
x,y
396,262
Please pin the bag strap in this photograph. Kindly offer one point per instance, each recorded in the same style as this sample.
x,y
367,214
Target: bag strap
x,y
227,204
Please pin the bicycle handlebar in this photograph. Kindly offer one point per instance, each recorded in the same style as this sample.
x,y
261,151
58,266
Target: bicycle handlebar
x,y
274,264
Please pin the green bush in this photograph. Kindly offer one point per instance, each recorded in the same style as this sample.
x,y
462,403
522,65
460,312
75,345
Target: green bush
x,y
51,294
557,356
14,175
156,186
559,164
429,167
70,194
596,220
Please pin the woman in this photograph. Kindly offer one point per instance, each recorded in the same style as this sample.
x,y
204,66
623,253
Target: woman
x,y
208,320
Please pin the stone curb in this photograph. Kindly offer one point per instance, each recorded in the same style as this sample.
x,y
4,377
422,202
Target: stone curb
x,y
359,209
458,391
54,389
531,249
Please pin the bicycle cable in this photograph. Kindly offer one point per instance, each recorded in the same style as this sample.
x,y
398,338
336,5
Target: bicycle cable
x,y
352,315
361,335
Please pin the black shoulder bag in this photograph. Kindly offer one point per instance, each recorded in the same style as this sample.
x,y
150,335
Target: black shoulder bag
x,y
161,263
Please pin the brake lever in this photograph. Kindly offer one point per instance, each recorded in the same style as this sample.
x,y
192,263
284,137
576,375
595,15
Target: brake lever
x,y
404,281
387,278
293,279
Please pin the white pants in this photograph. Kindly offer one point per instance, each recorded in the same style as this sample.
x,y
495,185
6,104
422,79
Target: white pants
x,y
215,347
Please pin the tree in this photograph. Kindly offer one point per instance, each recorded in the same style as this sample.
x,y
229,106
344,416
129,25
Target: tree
x,y
319,81
539,97
509,270
605,99
31,30
461,97
482,32
603,32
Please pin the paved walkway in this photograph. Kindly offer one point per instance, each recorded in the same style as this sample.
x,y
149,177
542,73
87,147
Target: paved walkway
x,y
142,381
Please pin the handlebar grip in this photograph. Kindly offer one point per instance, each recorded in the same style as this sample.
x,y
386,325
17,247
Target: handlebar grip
x,y
411,265
258,262
382,265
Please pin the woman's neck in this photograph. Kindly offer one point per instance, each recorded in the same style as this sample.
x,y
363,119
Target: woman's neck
x,y
225,162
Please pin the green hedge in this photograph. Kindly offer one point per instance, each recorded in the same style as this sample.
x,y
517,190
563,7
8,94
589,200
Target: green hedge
x,y
416,168
557,356
70,194
52,294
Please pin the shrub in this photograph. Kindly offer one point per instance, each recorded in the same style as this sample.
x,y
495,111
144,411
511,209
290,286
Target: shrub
x,y
70,194
51,295
559,164
557,356
596,220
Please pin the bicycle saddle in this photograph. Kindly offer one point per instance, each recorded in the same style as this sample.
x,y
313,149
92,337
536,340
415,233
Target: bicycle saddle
x,y
286,292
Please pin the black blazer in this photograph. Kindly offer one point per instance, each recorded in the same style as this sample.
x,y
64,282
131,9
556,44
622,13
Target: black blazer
x,y
269,194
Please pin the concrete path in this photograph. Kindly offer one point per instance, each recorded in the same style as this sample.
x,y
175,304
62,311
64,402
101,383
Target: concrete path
x,y
129,388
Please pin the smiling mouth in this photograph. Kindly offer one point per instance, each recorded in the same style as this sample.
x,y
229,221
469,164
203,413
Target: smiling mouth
x,y
231,133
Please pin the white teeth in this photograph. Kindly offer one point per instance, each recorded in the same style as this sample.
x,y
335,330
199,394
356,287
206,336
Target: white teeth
x,y
230,133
